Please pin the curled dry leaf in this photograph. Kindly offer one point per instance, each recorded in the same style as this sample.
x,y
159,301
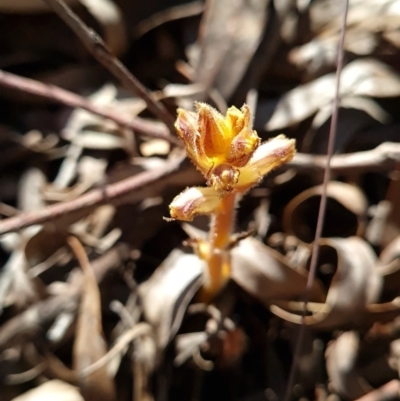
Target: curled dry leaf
x,y
347,267
86,130
369,24
345,213
266,275
80,118
322,51
167,293
350,122
365,77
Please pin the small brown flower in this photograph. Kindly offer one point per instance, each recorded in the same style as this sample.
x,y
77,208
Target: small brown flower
x,y
219,146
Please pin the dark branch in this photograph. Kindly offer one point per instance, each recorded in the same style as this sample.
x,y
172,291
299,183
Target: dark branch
x,y
56,94
108,194
96,46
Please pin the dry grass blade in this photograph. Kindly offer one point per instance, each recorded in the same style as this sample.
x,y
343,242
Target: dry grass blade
x,y
89,345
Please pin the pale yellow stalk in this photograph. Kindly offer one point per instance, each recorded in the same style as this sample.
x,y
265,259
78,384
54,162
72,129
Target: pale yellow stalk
x,y
218,260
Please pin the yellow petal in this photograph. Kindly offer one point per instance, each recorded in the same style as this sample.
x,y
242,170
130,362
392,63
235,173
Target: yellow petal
x,y
242,147
269,155
213,132
237,119
194,201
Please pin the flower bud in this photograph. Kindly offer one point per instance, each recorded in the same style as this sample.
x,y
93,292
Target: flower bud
x,y
194,201
268,156
218,145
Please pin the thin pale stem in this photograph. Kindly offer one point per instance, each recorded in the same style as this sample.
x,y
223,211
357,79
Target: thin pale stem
x,y
218,263
322,206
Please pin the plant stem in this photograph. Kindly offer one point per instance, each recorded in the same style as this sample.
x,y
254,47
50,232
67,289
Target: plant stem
x,y
218,262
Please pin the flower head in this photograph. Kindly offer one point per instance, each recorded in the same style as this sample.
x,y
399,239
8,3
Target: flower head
x,y
228,153
218,145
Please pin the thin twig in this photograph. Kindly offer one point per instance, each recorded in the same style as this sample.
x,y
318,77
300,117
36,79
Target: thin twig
x,y
322,206
107,194
383,157
59,95
96,46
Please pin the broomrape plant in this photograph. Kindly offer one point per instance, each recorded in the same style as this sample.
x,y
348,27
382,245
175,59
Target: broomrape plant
x,y
230,155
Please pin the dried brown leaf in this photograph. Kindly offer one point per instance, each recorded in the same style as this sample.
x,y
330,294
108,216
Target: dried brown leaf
x,y
354,284
229,36
167,293
43,245
266,275
345,215
364,77
89,345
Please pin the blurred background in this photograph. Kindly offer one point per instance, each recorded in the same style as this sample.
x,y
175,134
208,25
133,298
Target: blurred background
x,y
75,135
